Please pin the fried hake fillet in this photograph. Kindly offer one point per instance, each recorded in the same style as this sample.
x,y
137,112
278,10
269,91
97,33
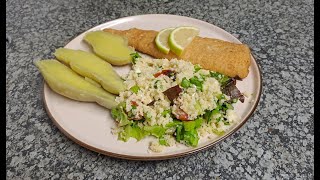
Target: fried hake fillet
x,y
228,58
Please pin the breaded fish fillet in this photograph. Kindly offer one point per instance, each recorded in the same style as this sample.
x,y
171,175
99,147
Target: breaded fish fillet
x,y
224,57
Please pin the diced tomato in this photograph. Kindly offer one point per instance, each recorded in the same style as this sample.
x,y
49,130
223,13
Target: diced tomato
x,y
134,103
137,116
157,74
164,72
181,115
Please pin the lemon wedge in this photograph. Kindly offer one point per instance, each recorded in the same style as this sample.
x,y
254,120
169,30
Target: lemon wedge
x,y
162,40
181,37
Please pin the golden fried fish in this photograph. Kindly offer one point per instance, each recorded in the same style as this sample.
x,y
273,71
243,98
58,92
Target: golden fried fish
x,y
228,58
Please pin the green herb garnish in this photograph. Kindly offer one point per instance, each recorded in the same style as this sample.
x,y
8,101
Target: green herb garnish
x,y
197,67
197,82
162,141
222,79
156,84
165,112
135,89
135,56
185,83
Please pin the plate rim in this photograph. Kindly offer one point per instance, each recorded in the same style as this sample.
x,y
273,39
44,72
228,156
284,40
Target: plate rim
x,y
160,157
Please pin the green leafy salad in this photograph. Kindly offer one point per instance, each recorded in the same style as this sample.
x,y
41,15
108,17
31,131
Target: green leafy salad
x,y
175,102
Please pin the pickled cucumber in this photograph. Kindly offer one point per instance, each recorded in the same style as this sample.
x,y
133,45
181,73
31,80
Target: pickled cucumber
x,y
93,67
110,47
64,81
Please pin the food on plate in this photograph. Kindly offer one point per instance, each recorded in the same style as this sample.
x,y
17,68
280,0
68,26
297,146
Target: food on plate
x,y
110,47
174,101
66,82
91,66
185,94
92,82
161,40
181,37
227,58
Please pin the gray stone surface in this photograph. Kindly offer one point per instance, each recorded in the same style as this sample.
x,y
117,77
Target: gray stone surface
x,y
276,143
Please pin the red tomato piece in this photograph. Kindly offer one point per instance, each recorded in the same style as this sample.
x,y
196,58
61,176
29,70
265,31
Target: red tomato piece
x,y
164,72
134,103
181,115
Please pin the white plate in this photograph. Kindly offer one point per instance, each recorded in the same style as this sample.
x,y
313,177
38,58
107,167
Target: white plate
x,y
90,125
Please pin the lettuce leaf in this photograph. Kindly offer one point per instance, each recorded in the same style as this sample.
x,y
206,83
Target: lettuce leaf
x,y
163,141
192,125
174,123
187,131
217,132
191,137
119,115
132,130
179,133
156,131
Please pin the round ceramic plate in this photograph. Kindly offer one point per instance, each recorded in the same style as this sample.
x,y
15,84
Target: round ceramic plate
x,y
90,125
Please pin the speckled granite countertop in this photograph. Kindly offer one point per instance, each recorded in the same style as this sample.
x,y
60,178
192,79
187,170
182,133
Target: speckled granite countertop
x,y
276,143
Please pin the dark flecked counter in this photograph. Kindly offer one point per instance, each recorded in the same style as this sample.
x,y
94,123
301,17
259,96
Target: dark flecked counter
x,y
276,143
